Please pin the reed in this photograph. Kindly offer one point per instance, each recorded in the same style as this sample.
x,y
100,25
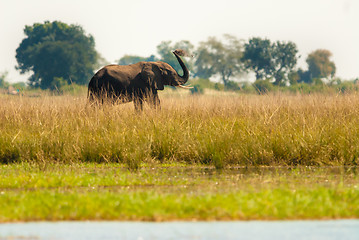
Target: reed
x,y
249,130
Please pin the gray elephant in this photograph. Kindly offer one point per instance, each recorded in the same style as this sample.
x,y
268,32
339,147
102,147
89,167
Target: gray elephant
x,y
136,82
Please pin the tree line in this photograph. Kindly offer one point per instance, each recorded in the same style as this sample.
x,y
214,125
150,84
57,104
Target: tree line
x,y
230,59
58,54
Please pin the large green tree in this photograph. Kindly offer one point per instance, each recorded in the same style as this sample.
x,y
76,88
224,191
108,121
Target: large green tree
x,y
55,53
223,58
270,60
319,64
258,57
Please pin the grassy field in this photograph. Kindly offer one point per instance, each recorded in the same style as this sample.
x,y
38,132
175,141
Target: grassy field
x,y
166,193
198,158
212,130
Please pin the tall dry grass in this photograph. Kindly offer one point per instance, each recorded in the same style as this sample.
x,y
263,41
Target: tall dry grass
x,y
215,130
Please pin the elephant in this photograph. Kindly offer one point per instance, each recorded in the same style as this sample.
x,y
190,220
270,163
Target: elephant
x,y
137,82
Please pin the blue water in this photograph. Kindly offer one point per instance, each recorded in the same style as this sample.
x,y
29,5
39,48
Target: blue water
x,y
273,230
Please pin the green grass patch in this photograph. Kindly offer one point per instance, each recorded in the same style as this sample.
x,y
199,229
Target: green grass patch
x,y
166,193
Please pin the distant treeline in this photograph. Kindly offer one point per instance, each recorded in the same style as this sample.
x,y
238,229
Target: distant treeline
x,y
58,55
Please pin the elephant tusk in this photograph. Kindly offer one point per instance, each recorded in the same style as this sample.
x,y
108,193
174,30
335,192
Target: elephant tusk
x,y
184,87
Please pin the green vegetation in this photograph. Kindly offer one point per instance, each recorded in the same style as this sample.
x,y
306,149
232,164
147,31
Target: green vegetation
x,y
202,157
217,58
270,60
57,54
231,59
215,154
157,192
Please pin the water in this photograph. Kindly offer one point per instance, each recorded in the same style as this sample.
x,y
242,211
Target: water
x,y
274,230
344,229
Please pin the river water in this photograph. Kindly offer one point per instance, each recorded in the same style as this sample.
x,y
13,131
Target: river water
x,y
270,230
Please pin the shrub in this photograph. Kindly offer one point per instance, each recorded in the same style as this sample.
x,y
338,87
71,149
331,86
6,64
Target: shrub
x,y
262,86
203,82
345,87
57,84
232,86
300,88
74,89
218,86
248,88
197,90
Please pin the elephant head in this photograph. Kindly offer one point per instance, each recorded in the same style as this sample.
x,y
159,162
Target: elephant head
x,y
159,74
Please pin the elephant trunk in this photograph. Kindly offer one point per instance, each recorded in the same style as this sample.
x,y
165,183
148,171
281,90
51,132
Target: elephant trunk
x,y
182,79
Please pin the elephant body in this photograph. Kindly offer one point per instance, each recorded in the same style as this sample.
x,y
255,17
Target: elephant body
x,y
136,82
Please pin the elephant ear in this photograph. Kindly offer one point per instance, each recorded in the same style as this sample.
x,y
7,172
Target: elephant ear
x,y
152,74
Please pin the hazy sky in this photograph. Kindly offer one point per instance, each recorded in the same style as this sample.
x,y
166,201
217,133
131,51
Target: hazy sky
x,y
138,26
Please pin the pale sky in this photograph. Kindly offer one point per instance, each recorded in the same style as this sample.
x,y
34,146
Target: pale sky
x,y
136,27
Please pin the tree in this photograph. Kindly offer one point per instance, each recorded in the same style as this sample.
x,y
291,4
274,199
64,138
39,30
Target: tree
x,y
55,51
165,48
131,59
285,59
270,60
319,64
304,76
258,57
220,58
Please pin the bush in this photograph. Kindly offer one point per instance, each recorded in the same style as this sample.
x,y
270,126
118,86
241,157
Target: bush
x,y
262,86
74,89
346,87
301,88
232,86
57,84
318,81
218,86
247,87
197,89
19,85
201,84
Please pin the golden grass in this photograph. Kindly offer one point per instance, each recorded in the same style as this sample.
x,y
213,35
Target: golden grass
x,y
278,129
